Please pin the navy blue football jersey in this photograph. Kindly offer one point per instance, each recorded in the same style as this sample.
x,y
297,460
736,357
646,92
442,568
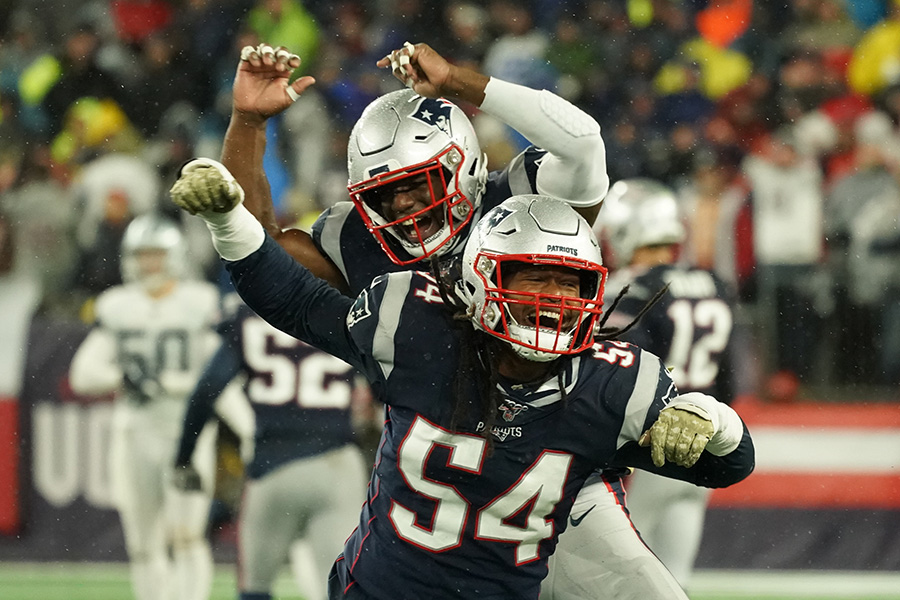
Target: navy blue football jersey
x,y
299,394
690,327
449,515
341,235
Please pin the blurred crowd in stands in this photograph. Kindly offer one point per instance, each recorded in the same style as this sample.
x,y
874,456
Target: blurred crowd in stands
x,y
778,123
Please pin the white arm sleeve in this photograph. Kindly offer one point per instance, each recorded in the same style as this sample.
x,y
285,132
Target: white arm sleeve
x,y
235,234
729,429
94,370
574,169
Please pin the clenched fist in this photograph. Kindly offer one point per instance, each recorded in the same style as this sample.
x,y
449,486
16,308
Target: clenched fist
x,y
679,435
205,185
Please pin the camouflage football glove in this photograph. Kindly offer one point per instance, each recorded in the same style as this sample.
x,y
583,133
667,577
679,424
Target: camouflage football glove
x,y
679,435
205,185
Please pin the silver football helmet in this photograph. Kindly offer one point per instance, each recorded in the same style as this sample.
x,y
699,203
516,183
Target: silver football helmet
x,y
403,137
143,235
533,230
638,212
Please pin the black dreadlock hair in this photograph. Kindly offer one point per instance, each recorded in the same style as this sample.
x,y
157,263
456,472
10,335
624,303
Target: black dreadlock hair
x,y
608,333
479,357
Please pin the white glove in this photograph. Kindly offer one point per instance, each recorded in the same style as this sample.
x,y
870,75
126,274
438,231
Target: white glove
x,y
205,185
679,435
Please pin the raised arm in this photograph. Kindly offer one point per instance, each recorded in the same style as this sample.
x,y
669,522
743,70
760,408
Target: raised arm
x,y
574,169
278,288
262,90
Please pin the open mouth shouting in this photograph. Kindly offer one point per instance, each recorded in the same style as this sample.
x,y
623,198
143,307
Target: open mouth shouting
x,y
549,318
420,226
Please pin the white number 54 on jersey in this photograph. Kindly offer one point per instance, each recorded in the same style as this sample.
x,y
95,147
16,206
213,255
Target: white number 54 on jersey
x,y
540,487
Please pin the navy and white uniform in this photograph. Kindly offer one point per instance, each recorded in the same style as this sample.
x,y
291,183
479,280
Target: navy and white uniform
x,y
341,235
303,443
447,516
691,329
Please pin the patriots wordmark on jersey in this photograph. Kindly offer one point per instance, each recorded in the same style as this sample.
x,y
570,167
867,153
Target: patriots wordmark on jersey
x,y
448,514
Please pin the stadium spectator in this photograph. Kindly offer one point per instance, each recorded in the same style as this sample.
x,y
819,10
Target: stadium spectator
x,y
861,214
110,191
788,241
76,72
42,209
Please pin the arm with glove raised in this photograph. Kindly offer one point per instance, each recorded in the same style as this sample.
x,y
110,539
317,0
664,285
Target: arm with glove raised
x,y
574,167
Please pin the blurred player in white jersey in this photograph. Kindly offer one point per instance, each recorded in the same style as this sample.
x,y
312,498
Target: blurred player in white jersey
x,y
690,328
151,339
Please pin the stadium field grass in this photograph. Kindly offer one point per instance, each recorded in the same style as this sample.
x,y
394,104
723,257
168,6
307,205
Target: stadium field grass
x,y
90,581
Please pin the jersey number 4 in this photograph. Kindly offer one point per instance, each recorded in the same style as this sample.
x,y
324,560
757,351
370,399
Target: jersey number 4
x,y
531,498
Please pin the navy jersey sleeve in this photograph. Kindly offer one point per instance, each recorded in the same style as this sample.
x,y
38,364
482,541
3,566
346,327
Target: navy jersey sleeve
x,y
401,325
221,369
292,299
518,177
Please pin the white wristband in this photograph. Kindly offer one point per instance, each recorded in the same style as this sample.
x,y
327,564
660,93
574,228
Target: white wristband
x,y
729,428
236,234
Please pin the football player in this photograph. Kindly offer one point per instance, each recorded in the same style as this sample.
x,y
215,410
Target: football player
x,y
418,177
417,183
500,403
151,339
301,398
690,328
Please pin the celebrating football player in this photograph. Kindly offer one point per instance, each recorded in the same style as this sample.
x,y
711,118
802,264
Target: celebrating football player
x,y
500,403
418,183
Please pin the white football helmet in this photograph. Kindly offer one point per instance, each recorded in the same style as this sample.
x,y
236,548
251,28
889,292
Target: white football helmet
x,y
541,231
152,232
638,212
403,135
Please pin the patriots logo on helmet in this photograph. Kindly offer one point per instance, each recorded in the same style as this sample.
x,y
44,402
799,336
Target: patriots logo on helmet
x,y
494,218
435,112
